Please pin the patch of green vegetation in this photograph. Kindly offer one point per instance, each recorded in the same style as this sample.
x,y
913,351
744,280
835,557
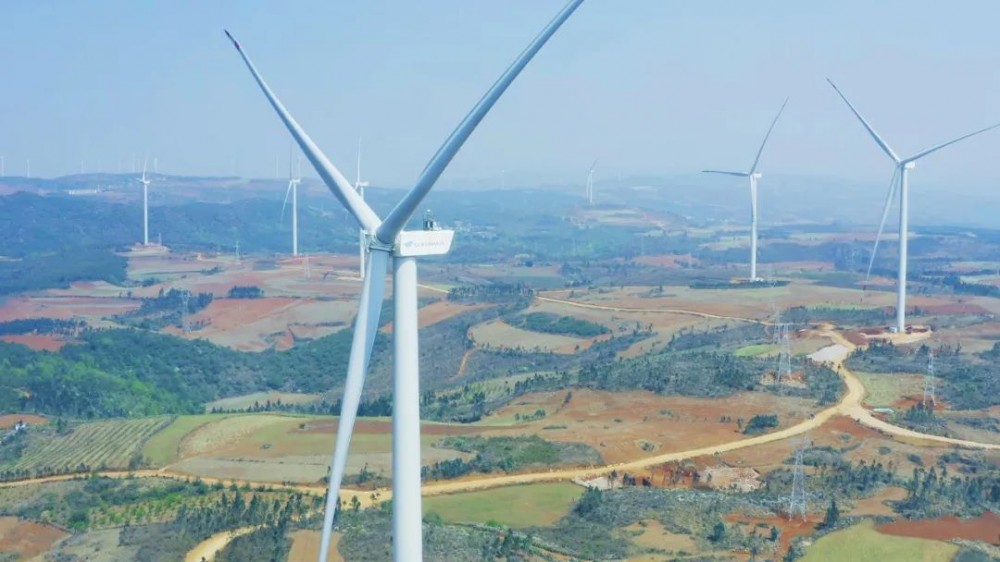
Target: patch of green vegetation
x,y
514,506
884,390
508,454
549,323
863,542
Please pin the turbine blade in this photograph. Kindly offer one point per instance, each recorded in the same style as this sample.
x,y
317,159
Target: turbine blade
x,y
882,144
594,165
935,148
737,174
331,176
881,225
771,128
365,327
397,218
287,192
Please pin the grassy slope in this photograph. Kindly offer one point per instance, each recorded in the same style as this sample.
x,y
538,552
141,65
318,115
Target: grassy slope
x,y
516,506
863,542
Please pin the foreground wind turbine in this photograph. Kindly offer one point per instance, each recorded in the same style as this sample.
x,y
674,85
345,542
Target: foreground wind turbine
x,y
360,186
294,179
386,238
145,206
753,175
903,166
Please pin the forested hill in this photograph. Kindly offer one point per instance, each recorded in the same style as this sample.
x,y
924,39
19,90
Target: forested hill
x,y
135,373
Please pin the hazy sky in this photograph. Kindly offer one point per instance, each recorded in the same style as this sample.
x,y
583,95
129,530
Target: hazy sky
x,y
647,86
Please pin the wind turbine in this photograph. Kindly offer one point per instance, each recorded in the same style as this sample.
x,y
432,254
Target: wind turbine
x,y
387,238
753,176
145,205
294,179
362,245
590,183
903,167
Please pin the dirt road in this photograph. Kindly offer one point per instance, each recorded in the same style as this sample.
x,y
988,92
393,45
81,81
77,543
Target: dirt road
x,y
208,548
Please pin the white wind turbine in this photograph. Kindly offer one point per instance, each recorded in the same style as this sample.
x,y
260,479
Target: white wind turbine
x,y
903,166
385,238
294,179
145,205
590,183
753,175
360,186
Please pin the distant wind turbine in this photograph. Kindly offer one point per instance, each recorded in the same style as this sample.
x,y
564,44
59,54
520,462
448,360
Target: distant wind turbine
x,y
590,183
753,175
387,239
294,179
145,205
903,167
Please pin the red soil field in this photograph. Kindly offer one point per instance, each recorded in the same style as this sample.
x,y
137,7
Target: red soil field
x,y
27,539
789,529
984,528
38,342
8,420
385,427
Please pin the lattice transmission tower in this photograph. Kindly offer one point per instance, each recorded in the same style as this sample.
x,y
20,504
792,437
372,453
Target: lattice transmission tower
x,y
797,500
185,298
930,396
784,355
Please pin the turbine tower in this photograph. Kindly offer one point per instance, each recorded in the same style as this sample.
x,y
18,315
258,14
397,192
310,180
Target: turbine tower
x,y
753,176
145,206
386,238
903,167
590,183
294,179
362,245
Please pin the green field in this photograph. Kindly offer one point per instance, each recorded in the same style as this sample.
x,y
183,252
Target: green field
x,y
102,444
515,506
863,542
755,350
161,449
884,390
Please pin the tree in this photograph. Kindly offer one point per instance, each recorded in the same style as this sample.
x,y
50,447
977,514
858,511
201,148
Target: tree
x,y
832,515
718,533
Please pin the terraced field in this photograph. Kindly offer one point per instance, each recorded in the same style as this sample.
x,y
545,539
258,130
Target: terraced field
x,y
109,444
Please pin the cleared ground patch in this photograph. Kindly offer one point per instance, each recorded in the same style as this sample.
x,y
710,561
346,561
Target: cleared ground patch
x,y
297,448
619,424
305,545
26,539
497,334
984,528
863,542
110,444
652,535
515,506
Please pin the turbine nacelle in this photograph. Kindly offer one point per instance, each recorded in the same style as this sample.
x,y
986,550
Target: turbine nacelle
x,y
910,165
756,175
414,243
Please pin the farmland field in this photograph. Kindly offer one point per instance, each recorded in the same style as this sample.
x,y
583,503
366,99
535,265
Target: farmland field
x,y
26,539
163,448
515,506
863,542
108,444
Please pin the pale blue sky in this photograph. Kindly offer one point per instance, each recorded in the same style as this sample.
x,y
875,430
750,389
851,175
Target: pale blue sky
x,y
648,86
